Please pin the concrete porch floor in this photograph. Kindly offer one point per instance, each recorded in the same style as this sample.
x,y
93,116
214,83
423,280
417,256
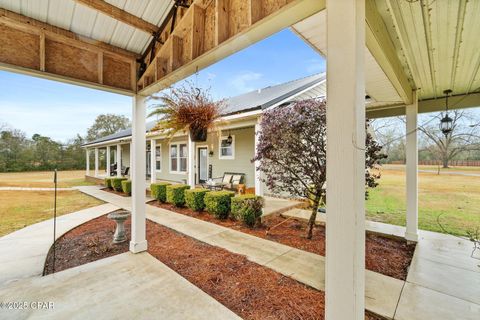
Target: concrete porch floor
x,y
124,286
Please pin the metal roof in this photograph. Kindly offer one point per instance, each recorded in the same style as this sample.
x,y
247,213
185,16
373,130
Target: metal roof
x,y
82,20
308,87
436,43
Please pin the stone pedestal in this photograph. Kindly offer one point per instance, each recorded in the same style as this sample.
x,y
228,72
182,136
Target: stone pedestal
x,y
119,217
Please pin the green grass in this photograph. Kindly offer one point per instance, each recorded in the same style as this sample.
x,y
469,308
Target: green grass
x,y
19,209
456,199
43,179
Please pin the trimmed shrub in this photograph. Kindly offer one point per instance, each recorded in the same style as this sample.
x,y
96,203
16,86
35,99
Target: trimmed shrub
x,y
117,184
159,191
247,208
218,203
176,194
127,187
108,183
194,199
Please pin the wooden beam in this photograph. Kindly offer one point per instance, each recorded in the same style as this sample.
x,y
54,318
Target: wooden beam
x,y
383,50
120,15
464,101
31,44
234,24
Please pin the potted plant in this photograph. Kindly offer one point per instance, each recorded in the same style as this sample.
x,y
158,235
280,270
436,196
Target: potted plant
x,y
186,108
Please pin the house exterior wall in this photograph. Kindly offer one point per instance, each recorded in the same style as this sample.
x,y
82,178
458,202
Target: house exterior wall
x,y
125,155
244,149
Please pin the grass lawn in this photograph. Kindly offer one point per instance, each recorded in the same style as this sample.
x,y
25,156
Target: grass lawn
x,y
43,179
456,198
435,168
19,209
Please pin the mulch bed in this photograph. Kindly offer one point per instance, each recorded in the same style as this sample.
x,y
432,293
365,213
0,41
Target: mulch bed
x,y
385,255
86,243
246,288
118,193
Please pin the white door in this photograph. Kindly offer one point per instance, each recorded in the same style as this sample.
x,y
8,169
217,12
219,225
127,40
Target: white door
x,y
202,164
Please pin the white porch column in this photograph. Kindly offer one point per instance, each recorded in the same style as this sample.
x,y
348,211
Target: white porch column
x,y
96,162
153,161
119,160
258,173
345,251
411,153
191,162
87,166
138,242
107,160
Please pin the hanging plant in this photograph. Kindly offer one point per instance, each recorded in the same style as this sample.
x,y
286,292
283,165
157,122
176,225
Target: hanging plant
x,y
186,108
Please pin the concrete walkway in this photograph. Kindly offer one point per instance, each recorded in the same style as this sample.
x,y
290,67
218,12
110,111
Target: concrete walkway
x,y
124,286
33,189
443,282
23,252
382,292
443,279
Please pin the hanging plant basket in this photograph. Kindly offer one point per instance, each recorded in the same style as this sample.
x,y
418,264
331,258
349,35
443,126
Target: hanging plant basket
x,y
198,135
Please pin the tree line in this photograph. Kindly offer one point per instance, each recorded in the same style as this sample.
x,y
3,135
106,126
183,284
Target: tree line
x,y
463,143
37,153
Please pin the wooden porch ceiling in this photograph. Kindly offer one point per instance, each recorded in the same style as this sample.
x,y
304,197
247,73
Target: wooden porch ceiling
x,y
195,34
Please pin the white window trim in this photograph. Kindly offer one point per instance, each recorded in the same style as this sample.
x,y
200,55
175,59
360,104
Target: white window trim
x,y
161,158
177,143
220,157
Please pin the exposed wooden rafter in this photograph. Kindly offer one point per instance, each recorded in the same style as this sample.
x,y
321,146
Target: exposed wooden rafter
x,y
210,30
120,15
34,47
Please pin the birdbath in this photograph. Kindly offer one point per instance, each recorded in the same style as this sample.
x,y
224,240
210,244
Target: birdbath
x,y
119,217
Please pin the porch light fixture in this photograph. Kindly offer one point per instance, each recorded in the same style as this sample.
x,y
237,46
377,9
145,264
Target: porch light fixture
x,y
229,139
446,123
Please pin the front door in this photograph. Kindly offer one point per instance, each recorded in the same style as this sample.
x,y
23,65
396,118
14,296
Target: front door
x,y
202,164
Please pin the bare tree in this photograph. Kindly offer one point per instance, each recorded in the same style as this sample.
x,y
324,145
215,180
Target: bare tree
x,y
463,137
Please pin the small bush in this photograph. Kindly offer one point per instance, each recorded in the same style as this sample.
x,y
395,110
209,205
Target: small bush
x,y
127,187
218,203
176,194
108,183
247,208
194,199
159,191
117,183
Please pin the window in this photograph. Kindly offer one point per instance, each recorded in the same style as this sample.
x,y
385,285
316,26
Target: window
x,y
227,151
178,157
158,158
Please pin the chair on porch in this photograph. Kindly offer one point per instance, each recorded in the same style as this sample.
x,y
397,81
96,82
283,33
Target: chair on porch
x,y
113,169
125,171
229,181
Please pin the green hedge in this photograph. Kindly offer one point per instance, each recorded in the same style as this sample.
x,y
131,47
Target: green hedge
x,y
159,191
127,187
117,184
194,199
218,203
247,208
108,183
176,194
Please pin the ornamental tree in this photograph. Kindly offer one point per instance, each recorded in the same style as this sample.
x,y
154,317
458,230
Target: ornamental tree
x,y
292,150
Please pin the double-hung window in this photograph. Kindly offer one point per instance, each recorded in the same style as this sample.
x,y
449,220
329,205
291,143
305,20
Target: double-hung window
x,y
227,150
178,157
158,158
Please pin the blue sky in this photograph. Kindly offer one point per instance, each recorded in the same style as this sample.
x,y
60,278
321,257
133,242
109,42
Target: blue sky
x,y
60,111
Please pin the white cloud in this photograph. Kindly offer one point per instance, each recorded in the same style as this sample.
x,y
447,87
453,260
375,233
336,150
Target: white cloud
x,y
246,81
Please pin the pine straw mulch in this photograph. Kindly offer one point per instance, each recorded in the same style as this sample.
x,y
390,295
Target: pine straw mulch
x,y
385,255
246,288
